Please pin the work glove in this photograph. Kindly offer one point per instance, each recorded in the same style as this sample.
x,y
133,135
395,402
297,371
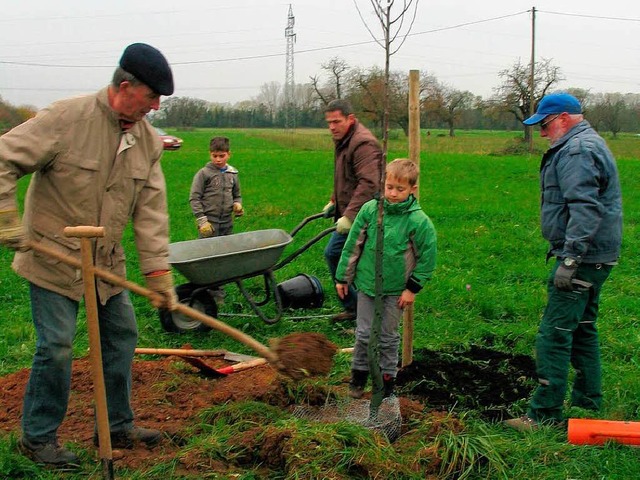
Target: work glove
x,y
343,225
162,282
205,229
564,275
11,230
328,210
237,209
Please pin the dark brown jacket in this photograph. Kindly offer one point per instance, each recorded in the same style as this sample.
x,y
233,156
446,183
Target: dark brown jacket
x,y
356,178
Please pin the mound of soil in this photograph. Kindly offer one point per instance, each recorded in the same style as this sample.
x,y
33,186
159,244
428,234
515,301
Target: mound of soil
x,y
169,394
303,354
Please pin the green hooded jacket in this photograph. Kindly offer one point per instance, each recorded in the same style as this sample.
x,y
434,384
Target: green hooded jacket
x,y
409,249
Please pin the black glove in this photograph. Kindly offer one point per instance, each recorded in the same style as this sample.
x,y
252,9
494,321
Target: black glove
x,y
565,273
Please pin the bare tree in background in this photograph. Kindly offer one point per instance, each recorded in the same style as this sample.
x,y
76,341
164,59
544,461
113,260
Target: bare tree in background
x,y
270,97
320,92
514,94
396,19
337,69
367,94
445,102
608,110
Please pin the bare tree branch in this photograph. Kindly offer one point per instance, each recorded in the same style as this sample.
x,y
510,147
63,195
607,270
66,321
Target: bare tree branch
x,y
413,19
365,23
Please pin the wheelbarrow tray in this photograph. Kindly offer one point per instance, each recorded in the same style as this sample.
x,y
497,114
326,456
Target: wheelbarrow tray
x,y
219,260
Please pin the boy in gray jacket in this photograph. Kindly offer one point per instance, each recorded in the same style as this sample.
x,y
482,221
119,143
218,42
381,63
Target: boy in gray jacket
x,y
215,192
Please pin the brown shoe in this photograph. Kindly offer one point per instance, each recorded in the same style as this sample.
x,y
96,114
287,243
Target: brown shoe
x,y
346,316
50,454
523,423
130,438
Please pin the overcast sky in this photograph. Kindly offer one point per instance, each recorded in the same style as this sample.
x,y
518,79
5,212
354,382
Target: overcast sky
x,y
224,50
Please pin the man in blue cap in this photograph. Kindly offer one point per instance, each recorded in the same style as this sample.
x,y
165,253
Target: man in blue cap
x,y
95,161
581,217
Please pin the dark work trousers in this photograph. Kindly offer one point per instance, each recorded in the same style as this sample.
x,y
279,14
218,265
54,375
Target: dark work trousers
x,y
332,254
568,335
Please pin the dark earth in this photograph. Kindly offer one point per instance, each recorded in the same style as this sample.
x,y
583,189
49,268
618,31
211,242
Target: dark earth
x,y
168,394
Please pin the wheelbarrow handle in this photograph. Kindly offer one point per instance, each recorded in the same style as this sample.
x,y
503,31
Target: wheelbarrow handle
x,y
303,248
305,221
109,277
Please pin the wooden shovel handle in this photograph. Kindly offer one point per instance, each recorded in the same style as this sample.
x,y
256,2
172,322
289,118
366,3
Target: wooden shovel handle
x,y
180,352
256,362
109,277
83,232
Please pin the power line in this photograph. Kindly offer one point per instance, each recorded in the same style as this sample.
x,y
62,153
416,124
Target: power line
x,y
622,19
330,47
272,55
460,25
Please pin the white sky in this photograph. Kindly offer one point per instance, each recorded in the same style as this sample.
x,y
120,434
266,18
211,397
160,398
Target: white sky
x,y
50,50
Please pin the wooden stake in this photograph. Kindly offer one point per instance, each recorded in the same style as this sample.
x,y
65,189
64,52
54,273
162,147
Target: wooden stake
x,y
414,156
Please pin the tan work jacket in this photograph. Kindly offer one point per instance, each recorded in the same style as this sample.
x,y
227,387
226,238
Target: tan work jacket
x,y
86,171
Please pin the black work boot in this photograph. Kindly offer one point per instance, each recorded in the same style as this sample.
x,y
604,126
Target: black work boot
x,y
389,384
357,383
130,438
50,454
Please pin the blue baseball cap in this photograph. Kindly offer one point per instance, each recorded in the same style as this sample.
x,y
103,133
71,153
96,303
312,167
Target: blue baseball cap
x,y
553,104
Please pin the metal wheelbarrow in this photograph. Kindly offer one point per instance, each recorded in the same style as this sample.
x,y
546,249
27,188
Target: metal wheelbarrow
x,y
209,263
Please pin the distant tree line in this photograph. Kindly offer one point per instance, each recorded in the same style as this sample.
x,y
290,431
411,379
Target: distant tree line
x,y
442,105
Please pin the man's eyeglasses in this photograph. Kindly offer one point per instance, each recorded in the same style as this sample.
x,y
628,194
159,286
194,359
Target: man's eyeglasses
x,y
544,125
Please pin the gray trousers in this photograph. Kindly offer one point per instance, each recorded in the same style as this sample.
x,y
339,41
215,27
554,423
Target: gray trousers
x,y
389,336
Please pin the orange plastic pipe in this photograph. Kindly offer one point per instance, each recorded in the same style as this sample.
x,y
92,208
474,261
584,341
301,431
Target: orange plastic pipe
x,y
584,431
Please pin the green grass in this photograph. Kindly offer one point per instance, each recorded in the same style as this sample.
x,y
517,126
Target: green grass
x,y
489,286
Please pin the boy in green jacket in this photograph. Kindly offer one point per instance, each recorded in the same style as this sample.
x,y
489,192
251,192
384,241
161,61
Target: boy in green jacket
x,y
409,259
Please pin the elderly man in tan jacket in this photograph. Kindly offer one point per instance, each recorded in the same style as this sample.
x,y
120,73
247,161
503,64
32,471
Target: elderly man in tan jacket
x,y
95,161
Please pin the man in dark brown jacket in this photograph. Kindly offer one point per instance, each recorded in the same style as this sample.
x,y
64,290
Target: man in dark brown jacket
x,y
95,160
356,179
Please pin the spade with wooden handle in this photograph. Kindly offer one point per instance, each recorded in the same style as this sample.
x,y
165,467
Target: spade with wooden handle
x,y
114,279
85,234
310,355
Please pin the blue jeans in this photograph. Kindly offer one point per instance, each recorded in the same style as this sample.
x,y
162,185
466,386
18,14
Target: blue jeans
x,y
332,254
47,393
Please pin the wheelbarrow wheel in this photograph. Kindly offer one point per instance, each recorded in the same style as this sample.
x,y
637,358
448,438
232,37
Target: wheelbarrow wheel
x,y
176,322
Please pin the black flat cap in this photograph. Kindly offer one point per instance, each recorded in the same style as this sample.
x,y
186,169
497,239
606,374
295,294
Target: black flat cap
x,y
149,66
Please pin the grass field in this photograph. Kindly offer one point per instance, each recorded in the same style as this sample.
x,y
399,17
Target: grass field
x,y
489,286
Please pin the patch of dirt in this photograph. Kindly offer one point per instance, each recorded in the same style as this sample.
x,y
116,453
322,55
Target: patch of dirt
x,y
480,379
168,394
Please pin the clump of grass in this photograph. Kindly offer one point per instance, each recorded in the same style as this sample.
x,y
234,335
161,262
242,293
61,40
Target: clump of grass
x,y
250,435
517,146
241,414
463,454
12,463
